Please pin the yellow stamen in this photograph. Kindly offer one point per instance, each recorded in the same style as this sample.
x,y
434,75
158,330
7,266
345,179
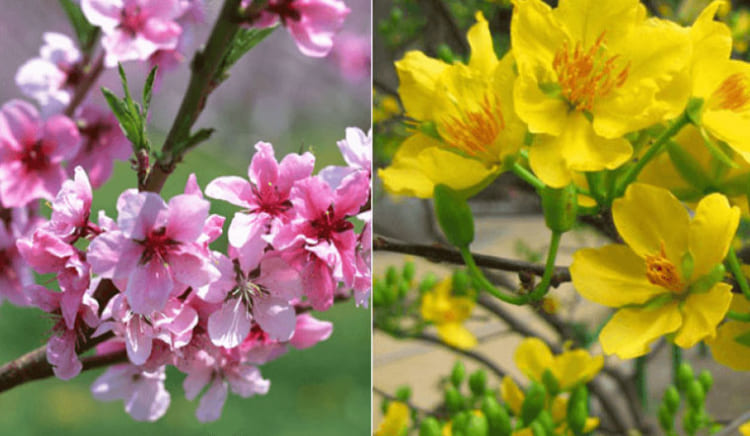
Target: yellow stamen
x,y
733,94
474,131
584,76
662,272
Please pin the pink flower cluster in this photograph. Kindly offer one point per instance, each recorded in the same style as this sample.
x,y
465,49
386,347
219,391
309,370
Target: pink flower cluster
x,y
215,316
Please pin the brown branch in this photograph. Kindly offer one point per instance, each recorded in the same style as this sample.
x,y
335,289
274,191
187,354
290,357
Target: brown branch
x,y
85,85
437,253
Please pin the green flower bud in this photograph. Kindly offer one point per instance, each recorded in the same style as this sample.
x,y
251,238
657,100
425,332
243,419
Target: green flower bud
x,y
690,421
684,376
666,418
560,207
537,429
550,383
671,399
695,395
460,281
458,374
445,53
391,276
497,417
402,289
545,418
460,422
454,401
477,425
428,282
706,380
478,382
403,393
384,405
454,216
578,409
430,427
389,295
533,403
408,272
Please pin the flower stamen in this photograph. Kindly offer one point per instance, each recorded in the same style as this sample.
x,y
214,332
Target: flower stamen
x,y
733,94
662,272
474,131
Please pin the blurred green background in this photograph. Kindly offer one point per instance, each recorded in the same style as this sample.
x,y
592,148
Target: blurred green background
x,y
324,390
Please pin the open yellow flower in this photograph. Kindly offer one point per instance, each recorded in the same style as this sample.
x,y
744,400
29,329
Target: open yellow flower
x,y
724,347
666,279
745,429
590,72
448,313
722,83
396,420
690,171
570,368
471,109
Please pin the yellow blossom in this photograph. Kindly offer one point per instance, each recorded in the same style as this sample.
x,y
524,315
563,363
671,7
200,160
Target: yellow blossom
x,y
590,72
396,420
745,429
724,347
448,313
469,109
666,280
570,368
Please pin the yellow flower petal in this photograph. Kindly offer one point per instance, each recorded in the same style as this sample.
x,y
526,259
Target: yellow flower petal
x,y
533,357
585,20
612,275
395,421
630,331
711,231
420,164
512,395
701,313
648,216
711,38
745,429
536,34
454,333
591,424
417,74
483,57
724,348
576,366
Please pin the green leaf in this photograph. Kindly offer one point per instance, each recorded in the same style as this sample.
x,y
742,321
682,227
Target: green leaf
x,y
244,41
196,138
85,32
123,115
148,89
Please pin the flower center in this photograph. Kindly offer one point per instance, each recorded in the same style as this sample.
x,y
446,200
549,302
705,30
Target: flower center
x,y
584,76
661,272
474,131
33,157
131,20
285,10
156,244
327,224
733,94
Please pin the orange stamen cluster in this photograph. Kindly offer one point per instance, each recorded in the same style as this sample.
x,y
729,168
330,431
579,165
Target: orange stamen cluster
x,y
661,272
586,75
733,94
474,131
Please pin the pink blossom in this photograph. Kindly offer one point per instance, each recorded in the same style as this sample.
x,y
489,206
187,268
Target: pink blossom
x,y
102,142
191,13
71,209
356,149
363,277
143,392
134,29
262,295
74,316
322,234
309,331
155,248
31,153
265,199
15,273
51,78
352,55
312,23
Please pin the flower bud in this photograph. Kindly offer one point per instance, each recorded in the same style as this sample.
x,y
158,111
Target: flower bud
x,y
408,272
666,418
537,429
391,276
428,282
533,403
671,399
454,402
402,289
550,382
684,376
478,382
430,427
460,281
458,374
560,207
695,395
454,216
403,393
706,380
545,418
497,417
476,425
578,409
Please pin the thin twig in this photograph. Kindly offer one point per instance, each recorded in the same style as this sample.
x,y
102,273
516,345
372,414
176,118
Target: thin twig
x,y
731,428
85,85
438,253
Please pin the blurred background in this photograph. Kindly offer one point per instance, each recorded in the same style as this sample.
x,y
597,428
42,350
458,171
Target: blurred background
x,y
277,95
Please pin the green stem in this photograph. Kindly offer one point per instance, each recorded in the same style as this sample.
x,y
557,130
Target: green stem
x,y
658,145
736,269
641,381
676,362
485,284
527,176
549,268
736,316
202,82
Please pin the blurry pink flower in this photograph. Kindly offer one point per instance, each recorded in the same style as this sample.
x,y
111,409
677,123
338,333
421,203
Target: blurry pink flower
x,y
351,53
155,248
31,153
71,209
51,78
143,392
102,141
312,23
309,331
134,29
262,295
15,273
190,13
265,199
356,149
